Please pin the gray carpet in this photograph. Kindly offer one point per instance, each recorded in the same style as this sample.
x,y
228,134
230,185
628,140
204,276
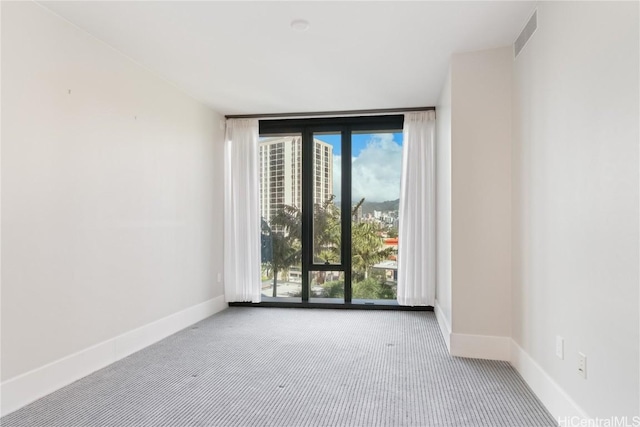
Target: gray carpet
x,y
295,367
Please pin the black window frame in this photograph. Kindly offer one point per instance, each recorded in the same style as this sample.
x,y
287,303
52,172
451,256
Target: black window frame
x,y
346,126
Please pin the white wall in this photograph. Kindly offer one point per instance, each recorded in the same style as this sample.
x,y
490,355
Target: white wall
x,y
575,201
481,201
111,193
443,208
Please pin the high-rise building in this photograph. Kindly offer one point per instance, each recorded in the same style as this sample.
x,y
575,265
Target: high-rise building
x,y
281,173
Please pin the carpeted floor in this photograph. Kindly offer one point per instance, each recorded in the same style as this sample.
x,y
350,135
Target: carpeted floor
x,y
295,367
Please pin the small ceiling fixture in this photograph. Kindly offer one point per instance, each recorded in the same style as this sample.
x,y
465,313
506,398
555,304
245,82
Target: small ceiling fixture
x,y
300,25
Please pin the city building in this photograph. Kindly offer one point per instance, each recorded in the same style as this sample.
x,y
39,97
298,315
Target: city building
x,y
281,173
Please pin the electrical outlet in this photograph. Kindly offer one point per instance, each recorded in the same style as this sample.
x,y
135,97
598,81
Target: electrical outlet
x,y
219,277
560,347
582,365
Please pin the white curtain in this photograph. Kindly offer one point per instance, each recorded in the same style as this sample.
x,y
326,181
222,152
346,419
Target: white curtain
x,y
417,228
241,212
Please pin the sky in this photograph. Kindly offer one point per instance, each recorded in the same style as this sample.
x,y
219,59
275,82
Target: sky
x,y
376,165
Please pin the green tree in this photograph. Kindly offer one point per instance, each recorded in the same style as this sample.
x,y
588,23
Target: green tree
x,y
284,235
286,248
367,248
326,232
285,253
372,288
333,289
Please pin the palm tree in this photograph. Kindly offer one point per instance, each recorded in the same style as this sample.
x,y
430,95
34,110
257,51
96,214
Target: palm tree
x,y
367,248
288,220
285,253
327,232
284,235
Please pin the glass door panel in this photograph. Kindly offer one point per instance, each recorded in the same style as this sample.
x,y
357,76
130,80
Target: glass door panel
x,y
326,286
375,187
326,278
280,163
327,239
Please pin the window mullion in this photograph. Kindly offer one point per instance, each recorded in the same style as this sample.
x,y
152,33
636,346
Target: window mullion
x,y
307,209
346,211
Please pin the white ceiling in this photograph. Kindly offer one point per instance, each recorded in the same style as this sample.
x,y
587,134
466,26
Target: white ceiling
x,y
243,57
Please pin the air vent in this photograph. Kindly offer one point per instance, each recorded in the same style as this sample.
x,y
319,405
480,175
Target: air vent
x,y
526,34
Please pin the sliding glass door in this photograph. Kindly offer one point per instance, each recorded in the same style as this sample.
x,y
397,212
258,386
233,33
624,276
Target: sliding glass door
x,y
325,261
280,164
375,182
329,191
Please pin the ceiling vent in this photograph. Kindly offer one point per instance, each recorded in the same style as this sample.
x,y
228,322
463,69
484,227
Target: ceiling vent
x,y
526,34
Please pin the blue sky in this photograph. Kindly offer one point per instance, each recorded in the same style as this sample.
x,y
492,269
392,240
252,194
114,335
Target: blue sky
x,y
360,141
376,165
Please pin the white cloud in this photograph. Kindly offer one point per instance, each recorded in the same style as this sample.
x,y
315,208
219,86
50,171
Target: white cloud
x,y
375,173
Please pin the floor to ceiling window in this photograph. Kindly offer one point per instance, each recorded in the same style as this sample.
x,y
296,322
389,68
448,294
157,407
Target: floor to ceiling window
x,y
329,196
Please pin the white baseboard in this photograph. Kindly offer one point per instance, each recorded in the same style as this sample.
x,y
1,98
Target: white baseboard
x,y
445,327
481,347
552,396
30,386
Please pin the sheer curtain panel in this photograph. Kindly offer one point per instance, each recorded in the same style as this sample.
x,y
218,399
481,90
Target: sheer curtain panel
x,y
417,225
241,212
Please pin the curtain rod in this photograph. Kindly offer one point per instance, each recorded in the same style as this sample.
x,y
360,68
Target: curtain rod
x,y
329,113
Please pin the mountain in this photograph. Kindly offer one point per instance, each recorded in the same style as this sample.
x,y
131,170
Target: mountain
x,y
389,205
